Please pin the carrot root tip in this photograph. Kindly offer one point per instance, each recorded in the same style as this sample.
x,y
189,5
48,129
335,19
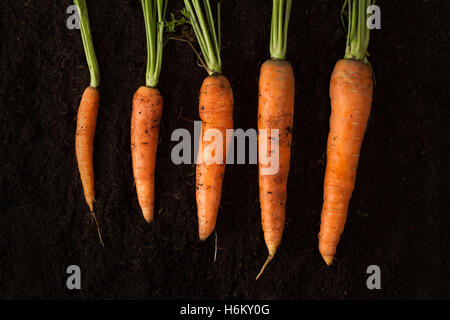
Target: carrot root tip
x,y
269,258
203,235
148,215
215,246
328,259
148,219
99,232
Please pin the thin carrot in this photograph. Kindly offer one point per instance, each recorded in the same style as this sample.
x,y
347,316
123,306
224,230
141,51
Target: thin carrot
x,y
351,99
84,141
87,115
216,111
147,110
275,112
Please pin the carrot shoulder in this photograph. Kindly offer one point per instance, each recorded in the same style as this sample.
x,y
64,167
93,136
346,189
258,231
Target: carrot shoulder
x,y
351,99
145,120
216,112
84,141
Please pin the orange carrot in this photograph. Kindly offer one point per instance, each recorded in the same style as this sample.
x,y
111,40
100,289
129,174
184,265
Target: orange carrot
x,y
351,99
216,112
145,118
87,115
84,141
275,112
147,111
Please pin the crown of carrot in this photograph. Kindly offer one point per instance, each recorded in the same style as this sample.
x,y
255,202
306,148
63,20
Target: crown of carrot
x,y
278,28
154,11
205,32
358,34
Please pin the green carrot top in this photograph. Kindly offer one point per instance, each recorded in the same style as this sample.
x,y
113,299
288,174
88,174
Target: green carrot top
x,y
87,43
278,28
154,11
205,32
358,33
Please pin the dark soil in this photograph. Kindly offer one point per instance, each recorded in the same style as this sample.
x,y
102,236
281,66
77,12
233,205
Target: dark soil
x,y
399,213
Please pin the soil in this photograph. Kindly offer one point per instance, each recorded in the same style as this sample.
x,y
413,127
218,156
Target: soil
x,y
398,216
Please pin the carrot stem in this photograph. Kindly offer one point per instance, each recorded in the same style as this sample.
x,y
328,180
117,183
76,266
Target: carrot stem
x,y
281,12
154,29
87,42
358,34
205,32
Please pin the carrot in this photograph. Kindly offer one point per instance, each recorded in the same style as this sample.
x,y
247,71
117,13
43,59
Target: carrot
x,y
275,112
216,112
87,115
351,99
84,141
145,119
147,110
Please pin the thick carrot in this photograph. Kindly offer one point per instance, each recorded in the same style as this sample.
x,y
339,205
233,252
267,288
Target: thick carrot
x,y
145,119
84,141
216,112
275,112
351,99
87,115
147,111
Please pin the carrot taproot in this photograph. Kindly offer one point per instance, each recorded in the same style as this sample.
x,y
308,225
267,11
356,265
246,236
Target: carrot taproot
x,y
216,112
87,115
275,112
84,141
147,110
145,119
351,89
